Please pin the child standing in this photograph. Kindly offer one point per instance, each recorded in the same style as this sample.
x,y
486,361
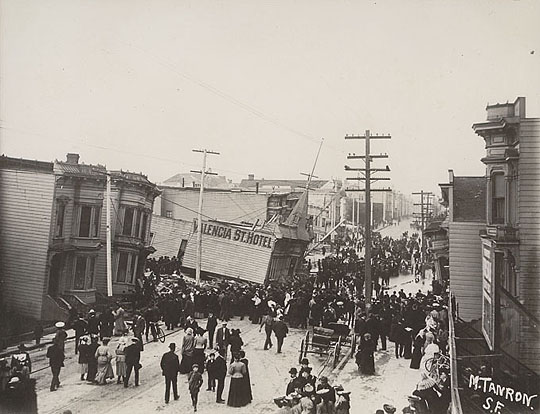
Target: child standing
x,y
211,370
194,383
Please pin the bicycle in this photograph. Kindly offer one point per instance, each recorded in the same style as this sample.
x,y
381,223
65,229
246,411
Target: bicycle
x,y
437,364
157,332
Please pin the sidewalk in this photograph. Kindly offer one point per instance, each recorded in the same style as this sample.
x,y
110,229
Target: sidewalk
x,y
393,380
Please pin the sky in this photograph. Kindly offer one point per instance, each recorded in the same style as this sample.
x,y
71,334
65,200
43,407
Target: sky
x,y
137,85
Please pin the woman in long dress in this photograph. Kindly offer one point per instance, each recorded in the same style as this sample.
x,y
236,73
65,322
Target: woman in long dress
x,y
430,349
198,351
92,359
121,360
237,396
188,347
120,327
247,378
418,344
364,357
104,367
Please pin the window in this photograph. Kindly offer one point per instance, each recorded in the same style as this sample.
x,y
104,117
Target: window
x,y
133,267
89,221
138,218
129,213
80,272
121,272
168,214
95,221
84,221
182,249
83,277
144,225
498,199
127,267
60,213
91,271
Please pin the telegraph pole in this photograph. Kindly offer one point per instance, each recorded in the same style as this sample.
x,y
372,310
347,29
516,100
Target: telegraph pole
x,y
424,214
368,180
109,245
203,173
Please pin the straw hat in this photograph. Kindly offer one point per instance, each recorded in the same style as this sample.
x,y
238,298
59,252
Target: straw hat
x,y
389,409
59,324
425,383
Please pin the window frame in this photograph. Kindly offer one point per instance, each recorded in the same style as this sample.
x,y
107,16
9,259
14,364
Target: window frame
x,y
132,265
498,202
59,223
94,225
90,261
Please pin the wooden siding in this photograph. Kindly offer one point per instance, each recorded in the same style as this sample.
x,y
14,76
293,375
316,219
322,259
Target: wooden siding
x,y
26,202
529,235
168,234
220,255
466,268
220,205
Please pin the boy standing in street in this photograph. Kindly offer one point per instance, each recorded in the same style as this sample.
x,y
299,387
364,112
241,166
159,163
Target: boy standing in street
x,y
194,383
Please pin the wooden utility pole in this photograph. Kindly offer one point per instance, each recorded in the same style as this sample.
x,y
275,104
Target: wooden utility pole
x,y
368,180
425,206
109,243
203,173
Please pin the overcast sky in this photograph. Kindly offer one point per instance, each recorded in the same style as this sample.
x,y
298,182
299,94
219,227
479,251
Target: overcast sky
x,y
138,84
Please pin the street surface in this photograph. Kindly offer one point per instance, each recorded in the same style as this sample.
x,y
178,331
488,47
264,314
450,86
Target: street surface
x,y
393,380
268,370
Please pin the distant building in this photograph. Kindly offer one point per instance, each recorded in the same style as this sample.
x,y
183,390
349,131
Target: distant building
x,y
324,199
53,227
193,180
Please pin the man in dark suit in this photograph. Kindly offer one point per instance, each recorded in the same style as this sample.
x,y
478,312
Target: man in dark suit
x,y
138,328
220,371
170,367
281,331
222,339
79,325
56,362
133,358
211,325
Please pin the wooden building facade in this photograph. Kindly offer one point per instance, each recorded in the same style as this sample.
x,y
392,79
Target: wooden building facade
x,y
68,200
465,200
26,206
254,254
511,240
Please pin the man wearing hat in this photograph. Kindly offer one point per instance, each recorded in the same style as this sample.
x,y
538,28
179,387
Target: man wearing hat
x,y
343,401
93,323
281,331
133,358
326,395
294,381
220,371
223,335
61,335
56,362
170,365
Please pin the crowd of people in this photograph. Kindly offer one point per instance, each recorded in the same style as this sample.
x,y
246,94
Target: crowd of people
x,y
417,325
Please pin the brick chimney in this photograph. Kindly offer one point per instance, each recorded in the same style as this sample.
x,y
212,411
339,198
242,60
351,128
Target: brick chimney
x,y
72,158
